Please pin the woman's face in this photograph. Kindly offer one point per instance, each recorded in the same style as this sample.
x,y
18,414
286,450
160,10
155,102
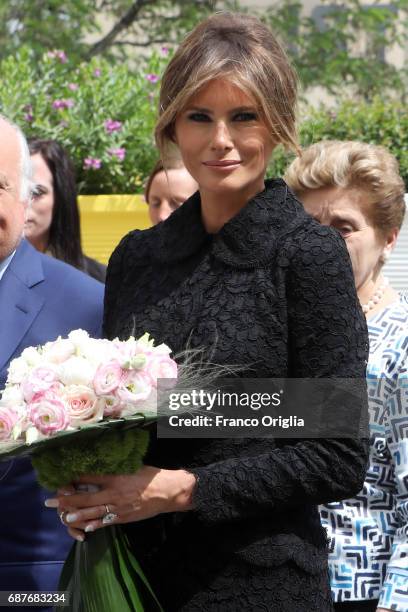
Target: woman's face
x,y
223,142
342,209
39,214
168,191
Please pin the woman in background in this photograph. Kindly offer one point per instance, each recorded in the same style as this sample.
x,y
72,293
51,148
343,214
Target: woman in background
x,y
356,188
52,223
167,187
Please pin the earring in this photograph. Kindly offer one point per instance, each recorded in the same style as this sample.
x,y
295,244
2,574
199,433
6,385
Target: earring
x,y
385,256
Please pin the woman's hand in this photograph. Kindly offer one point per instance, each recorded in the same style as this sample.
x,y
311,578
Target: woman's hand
x,y
131,497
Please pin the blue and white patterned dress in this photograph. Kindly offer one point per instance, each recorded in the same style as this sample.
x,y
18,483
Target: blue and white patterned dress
x,y
368,555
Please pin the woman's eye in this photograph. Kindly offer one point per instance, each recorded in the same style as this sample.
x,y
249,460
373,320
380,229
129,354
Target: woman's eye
x,y
247,116
37,193
200,117
344,231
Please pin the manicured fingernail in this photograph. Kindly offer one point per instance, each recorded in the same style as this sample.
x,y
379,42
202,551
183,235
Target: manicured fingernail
x,y
89,528
71,517
51,503
80,538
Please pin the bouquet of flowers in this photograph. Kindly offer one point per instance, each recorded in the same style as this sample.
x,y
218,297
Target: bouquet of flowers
x,y
80,406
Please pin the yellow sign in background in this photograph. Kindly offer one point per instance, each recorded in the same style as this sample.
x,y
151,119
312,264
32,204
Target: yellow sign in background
x,y
105,219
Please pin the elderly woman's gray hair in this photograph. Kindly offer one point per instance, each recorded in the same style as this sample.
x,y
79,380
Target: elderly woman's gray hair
x,y
364,167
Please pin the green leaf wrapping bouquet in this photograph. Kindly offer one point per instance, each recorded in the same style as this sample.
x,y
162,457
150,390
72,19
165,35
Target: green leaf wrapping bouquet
x,y
80,406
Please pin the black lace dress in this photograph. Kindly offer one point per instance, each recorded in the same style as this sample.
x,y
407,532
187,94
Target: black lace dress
x,y
273,289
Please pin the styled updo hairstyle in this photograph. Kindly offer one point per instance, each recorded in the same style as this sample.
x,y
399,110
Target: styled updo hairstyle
x,y
240,49
365,168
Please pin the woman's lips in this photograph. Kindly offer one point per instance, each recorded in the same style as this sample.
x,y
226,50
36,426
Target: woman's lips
x,y
223,165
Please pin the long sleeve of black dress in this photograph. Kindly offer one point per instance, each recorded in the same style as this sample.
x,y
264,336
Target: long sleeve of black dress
x,y
325,336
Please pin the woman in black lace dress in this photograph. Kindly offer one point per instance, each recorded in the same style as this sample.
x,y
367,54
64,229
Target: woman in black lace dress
x,y
242,271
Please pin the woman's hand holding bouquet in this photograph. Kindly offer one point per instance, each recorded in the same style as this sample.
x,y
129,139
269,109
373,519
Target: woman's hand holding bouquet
x,y
131,497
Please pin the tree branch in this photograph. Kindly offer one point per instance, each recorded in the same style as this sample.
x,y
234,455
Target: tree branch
x,y
124,22
147,43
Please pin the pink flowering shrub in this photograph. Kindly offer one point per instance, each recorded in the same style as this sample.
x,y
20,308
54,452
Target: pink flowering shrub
x,y
103,114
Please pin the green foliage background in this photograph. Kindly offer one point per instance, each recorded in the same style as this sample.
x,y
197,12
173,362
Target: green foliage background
x,y
118,77
379,122
96,91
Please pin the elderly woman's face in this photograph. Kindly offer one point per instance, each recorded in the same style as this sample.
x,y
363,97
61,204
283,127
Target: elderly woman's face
x,y
341,209
39,213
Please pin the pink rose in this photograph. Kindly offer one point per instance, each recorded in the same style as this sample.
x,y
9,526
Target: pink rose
x,y
136,386
107,378
39,380
48,413
8,418
83,405
161,366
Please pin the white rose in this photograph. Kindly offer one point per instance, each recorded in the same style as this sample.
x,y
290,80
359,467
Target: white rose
x,y
58,351
77,371
17,370
31,356
79,338
12,396
97,351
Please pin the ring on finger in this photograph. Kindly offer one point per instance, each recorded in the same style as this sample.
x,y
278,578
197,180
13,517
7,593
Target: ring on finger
x,y
109,517
62,516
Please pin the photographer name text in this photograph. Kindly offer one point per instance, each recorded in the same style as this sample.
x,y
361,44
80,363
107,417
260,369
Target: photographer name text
x,y
218,420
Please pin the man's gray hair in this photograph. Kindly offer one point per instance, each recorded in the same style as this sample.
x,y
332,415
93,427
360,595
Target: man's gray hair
x,y
26,170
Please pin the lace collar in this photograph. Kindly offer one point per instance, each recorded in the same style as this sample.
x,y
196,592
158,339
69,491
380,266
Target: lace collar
x,y
247,240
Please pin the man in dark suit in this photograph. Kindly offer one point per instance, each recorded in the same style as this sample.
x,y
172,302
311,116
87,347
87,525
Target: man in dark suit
x,y
41,298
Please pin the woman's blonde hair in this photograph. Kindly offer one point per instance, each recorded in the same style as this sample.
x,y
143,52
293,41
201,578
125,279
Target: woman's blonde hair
x,y
244,51
363,167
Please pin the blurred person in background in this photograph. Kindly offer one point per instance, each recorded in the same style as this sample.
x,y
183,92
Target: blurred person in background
x,y
41,298
357,189
53,223
168,187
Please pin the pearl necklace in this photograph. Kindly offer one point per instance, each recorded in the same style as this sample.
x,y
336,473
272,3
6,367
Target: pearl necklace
x,y
376,297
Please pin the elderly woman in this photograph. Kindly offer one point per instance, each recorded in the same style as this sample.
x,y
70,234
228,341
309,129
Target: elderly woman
x,y
243,274
356,188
